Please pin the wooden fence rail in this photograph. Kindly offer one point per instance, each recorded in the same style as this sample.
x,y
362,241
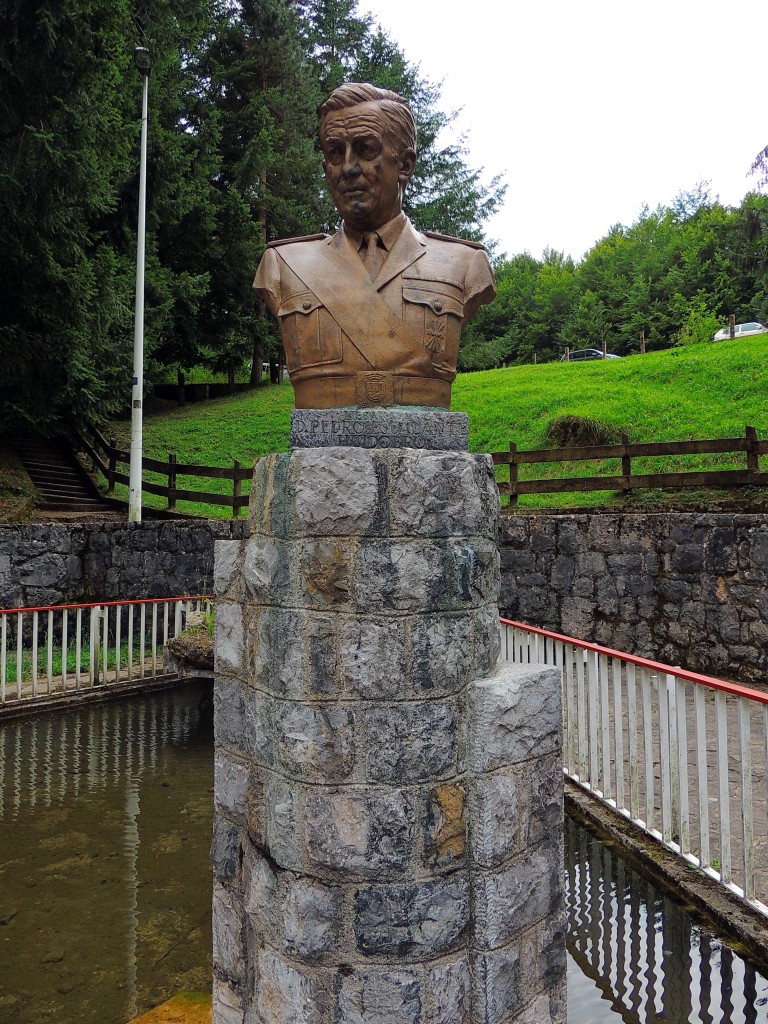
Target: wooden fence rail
x,y
106,459
628,481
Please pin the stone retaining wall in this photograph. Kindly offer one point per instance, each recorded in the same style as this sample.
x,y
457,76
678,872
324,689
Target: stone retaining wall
x,y
684,588
61,563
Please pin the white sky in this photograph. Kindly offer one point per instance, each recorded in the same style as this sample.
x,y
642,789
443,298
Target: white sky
x,y
594,107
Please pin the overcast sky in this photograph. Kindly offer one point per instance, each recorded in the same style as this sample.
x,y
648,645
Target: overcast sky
x,y
592,108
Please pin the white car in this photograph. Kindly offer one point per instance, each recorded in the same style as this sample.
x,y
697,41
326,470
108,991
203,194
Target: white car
x,y
741,331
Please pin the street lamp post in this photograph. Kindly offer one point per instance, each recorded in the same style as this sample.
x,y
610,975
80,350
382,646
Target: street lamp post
x,y
143,62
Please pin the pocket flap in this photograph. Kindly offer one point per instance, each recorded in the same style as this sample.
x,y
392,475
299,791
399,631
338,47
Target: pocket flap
x,y
437,303
303,302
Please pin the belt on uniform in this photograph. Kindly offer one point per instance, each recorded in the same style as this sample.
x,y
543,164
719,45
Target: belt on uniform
x,y
370,390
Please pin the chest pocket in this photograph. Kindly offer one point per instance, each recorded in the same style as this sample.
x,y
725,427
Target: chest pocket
x,y
434,311
311,336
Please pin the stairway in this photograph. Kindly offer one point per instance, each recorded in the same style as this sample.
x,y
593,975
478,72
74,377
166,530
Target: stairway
x,y
58,476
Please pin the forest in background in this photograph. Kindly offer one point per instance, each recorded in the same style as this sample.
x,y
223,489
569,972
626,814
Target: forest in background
x,y
234,163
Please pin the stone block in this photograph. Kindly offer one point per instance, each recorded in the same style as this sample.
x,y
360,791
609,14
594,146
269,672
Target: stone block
x,y
226,847
228,713
227,1004
228,935
442,652
315,743
510,899
449,985
396,427
281,824
287,994
258,710
438,495
359,833
311,918
228,638
417,742
372,657
498,983
327,573
226,567
267,504
400,575
487,640
379,997
231,783
515,714
545,803
417,921
445,832
335,492
472,573
267,576
275,647
495,815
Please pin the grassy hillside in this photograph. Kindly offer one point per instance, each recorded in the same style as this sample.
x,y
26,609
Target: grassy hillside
x,y
699,391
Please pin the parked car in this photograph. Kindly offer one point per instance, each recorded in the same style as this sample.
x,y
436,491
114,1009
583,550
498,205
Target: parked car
x,y
741,331
587,353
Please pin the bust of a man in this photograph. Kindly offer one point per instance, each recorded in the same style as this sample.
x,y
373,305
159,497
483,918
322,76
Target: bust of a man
x,y
371,316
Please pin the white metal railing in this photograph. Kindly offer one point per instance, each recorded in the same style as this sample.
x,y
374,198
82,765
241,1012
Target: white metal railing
x,y
66,648
683,755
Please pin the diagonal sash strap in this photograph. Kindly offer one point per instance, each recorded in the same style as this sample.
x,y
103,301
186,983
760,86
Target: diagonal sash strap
x,y
380,336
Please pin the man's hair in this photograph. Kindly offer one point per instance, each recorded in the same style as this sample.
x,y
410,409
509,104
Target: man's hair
x,y
398,115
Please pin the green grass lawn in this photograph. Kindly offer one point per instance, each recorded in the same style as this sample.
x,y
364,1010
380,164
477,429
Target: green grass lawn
x,y
700,391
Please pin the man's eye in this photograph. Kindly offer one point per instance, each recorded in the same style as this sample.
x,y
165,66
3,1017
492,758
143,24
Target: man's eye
x,y
368,150
334,156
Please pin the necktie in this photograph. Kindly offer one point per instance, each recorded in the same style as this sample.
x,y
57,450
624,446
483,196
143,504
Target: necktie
x,y
373,256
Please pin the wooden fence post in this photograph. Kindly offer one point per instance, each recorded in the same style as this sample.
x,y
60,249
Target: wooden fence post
x,y
171,481
112,465
513,471
605,348
642,343
626,463
753,457
236,490
567,354
732,326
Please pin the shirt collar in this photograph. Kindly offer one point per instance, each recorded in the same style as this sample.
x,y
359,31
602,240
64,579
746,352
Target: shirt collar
x,y
388,233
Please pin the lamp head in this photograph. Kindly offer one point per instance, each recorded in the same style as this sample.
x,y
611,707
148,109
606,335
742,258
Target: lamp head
x,y
142,60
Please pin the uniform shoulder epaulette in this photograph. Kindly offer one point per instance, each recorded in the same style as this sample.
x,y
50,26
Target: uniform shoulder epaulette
x,y
450,238
301,238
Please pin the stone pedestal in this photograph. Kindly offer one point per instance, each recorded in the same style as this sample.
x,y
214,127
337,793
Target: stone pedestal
x,y
388,835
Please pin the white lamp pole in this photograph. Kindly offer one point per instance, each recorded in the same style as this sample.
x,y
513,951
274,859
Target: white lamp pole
x,y
144,64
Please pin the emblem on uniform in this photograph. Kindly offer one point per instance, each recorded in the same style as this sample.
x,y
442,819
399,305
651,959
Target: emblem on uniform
x,y
375,388
435,329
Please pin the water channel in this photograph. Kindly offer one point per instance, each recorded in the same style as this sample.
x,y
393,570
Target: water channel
x,y
105,817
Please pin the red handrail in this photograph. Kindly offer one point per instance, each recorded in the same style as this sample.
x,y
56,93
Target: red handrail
x,y
657,666
105,604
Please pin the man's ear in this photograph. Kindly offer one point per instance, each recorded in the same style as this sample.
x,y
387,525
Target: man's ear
x,y
407,163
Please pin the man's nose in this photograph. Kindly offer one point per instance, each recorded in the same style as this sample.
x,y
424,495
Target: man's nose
x,y
351,166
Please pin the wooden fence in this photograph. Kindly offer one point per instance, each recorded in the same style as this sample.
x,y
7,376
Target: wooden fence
x,y
627,481
107,459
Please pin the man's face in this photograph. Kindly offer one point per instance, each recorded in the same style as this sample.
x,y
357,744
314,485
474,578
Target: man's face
x,y
364,166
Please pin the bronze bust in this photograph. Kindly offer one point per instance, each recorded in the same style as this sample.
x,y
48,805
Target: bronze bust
x,y
371,316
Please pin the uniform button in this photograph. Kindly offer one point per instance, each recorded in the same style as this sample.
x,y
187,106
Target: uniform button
x,y
437,306
307,304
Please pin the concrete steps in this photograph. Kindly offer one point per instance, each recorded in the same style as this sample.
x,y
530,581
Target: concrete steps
x,y
58,476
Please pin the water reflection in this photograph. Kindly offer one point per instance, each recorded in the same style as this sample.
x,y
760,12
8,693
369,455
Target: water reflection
x,y
636,956
105,818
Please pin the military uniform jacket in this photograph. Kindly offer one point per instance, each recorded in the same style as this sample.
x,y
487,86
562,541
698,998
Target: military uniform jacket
x,y
394,340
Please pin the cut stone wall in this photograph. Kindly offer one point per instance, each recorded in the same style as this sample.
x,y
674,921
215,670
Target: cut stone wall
x,y
62,563
685,589
388,835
